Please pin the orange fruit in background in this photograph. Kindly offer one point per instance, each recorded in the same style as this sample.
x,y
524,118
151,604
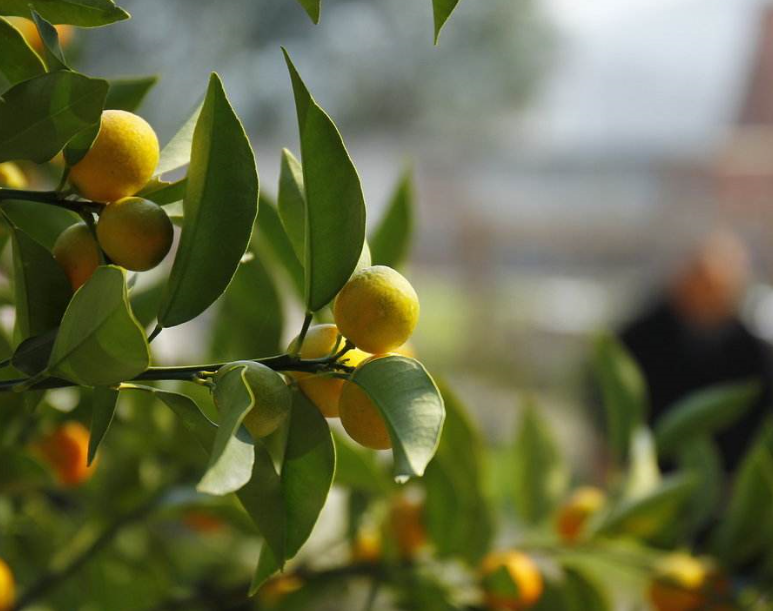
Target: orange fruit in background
x,y
66,452
366,547
7,586
322,391
77,252
135,233
29,30
202,521
523,573
573,515
11,176
120,162
685,583
406,521
361,419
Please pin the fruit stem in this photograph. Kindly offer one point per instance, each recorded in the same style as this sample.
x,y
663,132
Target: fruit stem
x,y
52,198
302,335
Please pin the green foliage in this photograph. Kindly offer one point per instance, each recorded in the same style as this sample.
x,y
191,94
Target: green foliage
x,y
441,11
52,51
18,62
128,93
214,237
83,13
312,7
291,202
391,239
177,152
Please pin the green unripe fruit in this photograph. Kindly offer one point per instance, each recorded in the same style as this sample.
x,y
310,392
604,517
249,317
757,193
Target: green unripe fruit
x,y
272,398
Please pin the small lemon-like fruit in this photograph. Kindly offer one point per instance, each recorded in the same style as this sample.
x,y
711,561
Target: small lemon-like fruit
x,y
522,573
11,176
679,583
77,252
272,397
30,32
121,160
377,309
66,451
135,233
361,418
323,391
406,519
573,515
7,586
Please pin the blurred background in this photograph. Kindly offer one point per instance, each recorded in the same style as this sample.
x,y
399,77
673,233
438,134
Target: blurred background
x,y
566,154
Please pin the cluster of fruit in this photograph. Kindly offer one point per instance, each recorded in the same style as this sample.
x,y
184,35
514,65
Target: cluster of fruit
x,y
376,311
132,232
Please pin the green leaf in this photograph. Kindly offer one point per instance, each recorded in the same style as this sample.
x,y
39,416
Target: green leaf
x,y
100,343
40,221
83,13
177,152
271,233
540,474
80,144
701,457
457,515
39,116
704,412
163,192
21,472
312,8
41,288
441,11
358,469
582,593
102,410
390,241
250,319
32,355
221,203
232,455
307,475
623,390
335,206
291,202
52,50
648,516
18,62
128,93
411,405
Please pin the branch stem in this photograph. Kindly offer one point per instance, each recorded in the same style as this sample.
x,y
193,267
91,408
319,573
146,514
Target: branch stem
x,y
52,198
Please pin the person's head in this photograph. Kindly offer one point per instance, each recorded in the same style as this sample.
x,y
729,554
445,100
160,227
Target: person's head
x,y
708,287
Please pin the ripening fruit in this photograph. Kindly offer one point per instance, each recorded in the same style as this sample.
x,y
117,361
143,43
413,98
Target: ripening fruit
x,y
406,520
366,548
573,515
7,586
30,32
324,392
77,252
272,396
361,418
11,176
135,233
377,309
523,573
121,160
66,451
277,588
679,583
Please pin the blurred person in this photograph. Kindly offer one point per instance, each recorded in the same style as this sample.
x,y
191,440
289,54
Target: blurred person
x,y
692,337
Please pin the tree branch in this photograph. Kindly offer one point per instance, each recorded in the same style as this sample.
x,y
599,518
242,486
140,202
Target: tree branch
x,y
52,198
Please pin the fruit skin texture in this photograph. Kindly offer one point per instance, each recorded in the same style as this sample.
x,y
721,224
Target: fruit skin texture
x,y
524,574
361,418
11,176
121,160
66,451
679,583
272,397
135,233
377,309
77,252
574,514
406,519
7,586
324,392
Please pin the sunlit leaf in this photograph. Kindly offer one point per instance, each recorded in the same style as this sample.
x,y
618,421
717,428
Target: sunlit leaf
x,y
291,202
441,11
390,241
177,152
83,13
102,410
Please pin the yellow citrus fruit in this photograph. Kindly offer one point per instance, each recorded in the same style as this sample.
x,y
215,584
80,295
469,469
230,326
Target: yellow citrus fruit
x,y
135,233
679,583
574,514
361,418
366,548
11,176
322,391
66,451
7,586
121,160
77,252
523,573
406,520
272,397
29,30
377,309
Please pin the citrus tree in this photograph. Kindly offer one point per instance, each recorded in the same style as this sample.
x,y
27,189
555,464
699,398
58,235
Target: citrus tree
x,y
212,476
